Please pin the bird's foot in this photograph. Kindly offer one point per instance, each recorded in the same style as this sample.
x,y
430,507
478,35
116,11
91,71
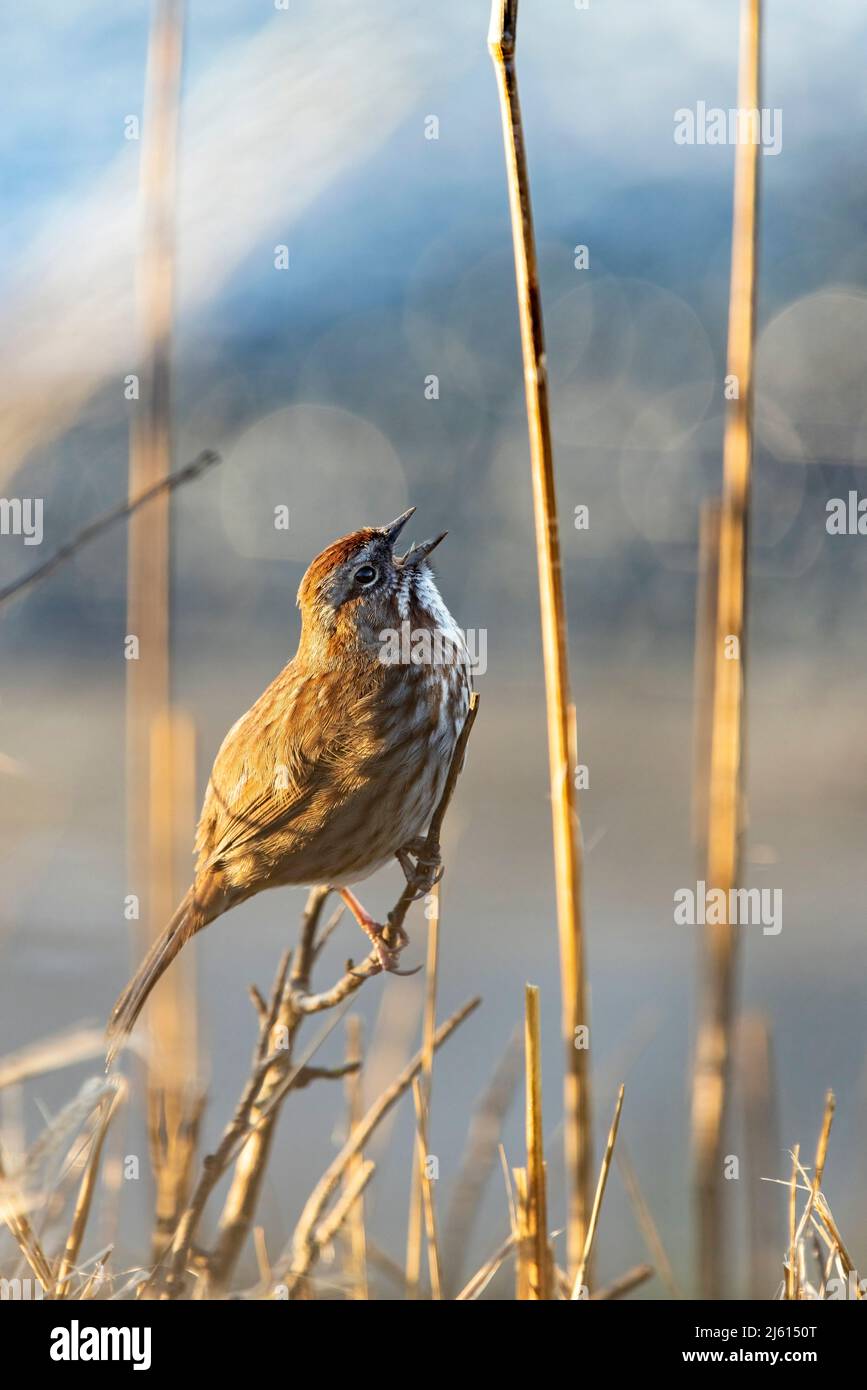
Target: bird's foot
x,y
421,869
388,940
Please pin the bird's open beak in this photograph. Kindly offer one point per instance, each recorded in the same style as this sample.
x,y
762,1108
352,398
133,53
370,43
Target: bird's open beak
x,y
416,553
394,528
419,552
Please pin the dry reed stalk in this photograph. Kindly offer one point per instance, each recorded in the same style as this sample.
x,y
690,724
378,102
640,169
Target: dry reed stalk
x,y
826,1266
151,789
149,465
51,1145
619,1288
523,1238
51,1054
818,1215
815,1198
96,1279
823,1212
426,1186
174,1120
414,1224
822,1145
352,1193
175,1096
510,1191
564,801
296,1260
22,1232
107,1109
704,666
263,1263
540,1277
792,1263
597,1199
476,1286
356,1236
725,822
756,1077
478,1160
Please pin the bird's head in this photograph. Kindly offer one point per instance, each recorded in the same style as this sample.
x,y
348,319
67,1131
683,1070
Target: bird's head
x,y
359,586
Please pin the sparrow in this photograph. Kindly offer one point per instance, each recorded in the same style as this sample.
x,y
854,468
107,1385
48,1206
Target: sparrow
x,y
338,766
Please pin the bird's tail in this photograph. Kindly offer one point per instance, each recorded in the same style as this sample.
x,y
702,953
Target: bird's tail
x,y
184,924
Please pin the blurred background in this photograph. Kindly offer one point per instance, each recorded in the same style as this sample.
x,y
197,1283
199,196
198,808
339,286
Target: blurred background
x,y
309,128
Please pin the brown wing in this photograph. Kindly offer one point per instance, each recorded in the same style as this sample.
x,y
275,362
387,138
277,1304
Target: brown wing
x,y
281,770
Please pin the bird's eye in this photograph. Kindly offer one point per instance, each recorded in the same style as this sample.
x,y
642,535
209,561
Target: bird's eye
x,y
365,576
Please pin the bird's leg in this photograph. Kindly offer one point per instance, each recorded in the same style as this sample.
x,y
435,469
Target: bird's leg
x,y
388,954
427,870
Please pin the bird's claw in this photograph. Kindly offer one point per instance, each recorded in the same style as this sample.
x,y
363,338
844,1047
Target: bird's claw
x,y
424,874
388,940
388,952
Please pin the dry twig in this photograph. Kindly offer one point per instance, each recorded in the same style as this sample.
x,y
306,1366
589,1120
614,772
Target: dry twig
x,y
302,1252
426,1188
107,1109
22,1231
560,713
597,1200
206,459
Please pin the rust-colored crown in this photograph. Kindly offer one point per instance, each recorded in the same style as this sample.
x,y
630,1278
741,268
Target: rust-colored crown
x,y
334,555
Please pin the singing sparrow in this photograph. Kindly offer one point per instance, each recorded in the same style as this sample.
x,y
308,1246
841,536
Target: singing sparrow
x,y
339,764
